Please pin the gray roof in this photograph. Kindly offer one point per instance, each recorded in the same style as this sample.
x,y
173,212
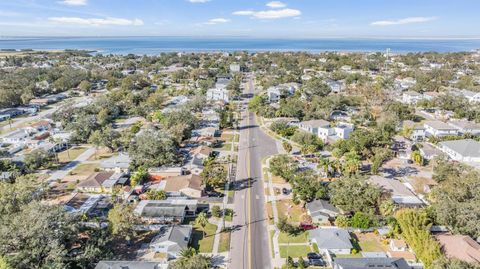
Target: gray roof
x,y
179,234
362,263
120,161
464,147
315,123
127,265
165,208
439,125
333,238
321,205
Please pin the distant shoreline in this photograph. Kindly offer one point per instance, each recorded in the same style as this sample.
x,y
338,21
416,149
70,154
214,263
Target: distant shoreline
x,y
157,45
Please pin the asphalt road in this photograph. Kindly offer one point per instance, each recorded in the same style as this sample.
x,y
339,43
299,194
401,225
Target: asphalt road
x,y
249,247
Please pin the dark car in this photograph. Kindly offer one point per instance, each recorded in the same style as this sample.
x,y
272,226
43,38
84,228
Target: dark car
x,y
285,191
317,262
215,194
313,256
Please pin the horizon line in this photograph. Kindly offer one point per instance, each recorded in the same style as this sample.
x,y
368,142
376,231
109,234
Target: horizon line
x,y
3,37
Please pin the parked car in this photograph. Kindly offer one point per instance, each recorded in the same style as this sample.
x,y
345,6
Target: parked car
x,y
285,191
317,262
308,226
214,194
313,256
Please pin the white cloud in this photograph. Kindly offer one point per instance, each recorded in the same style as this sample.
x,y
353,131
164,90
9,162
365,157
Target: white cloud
x,y
244,12
217,21
270,14
198,1
96,21
408,20
276,4
74,2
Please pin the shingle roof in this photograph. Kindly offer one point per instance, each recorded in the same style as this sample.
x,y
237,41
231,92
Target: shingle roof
x,y
95,180
181,182
461,247
318,205
464,147
362,263
179,234
316,123
127,265
331,238
439,125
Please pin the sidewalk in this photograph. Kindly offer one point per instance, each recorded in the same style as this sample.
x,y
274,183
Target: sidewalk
x,y
62,172
277,261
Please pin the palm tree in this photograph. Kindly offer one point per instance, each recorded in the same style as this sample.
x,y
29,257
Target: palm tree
x,y
187,253
202,221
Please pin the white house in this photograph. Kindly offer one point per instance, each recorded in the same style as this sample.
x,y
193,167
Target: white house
x,y
276,92
465,150
335,86
234,68
331,240
466,127
16,137
439,128
411,97
218,94
171,240
340,131
312,126
473,97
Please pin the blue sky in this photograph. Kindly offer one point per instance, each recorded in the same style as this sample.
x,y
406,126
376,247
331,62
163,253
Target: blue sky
x,y
253,18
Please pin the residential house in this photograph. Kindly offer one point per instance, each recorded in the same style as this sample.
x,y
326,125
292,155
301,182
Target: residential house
x,y
82,203
283,90
312,126
340,131
99,182
18,137
171,240
321,211
198,156
466,127
331,240
158,173
465,150
335,85
439,128
218,94
411,97
129,265
473,97
235,68
461,247
166,211
400,194
186,185
429,151
398,248
206,132
118,164
417,130
363,263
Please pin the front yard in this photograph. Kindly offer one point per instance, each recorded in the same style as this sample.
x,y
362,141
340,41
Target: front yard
x,y
286,208
71,154
285,238
294,251
203,244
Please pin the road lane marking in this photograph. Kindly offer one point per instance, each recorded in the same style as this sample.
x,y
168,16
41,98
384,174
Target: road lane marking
x,y
249,200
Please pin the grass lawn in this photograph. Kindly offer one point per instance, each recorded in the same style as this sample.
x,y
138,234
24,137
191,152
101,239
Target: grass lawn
x,y
226,137
294,251
269,209
369,242
224,242
271,234
201,243
226,146
72,152
236,138
284,238
278,180
85,169
288,208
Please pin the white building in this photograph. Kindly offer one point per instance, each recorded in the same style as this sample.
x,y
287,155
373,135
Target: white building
x,y
466,127
411,97
335,86
276,92
235,68
465,150
218,94
171,240
439,128
473,97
